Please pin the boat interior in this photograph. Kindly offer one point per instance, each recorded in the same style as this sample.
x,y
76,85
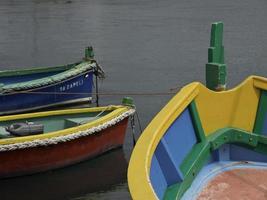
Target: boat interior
x,y
52,123
200,134
21,75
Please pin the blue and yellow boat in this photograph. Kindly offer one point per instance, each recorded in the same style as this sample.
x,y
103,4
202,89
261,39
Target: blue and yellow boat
x,y
205,137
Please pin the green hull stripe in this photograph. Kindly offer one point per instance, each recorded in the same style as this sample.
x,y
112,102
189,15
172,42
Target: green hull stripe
x,y
196,122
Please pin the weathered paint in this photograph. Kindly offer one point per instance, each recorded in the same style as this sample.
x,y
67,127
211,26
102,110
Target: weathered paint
x,y
244,183
75,88
116,111
215,169
216,68
37,159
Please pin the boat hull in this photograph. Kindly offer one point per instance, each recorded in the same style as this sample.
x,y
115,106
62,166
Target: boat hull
x,y
74,90
200,129
37,159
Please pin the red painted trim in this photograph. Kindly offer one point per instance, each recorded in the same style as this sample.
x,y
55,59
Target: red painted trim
x,y
37,159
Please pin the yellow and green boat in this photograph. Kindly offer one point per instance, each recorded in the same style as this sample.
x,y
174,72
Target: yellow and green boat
x,y
207,142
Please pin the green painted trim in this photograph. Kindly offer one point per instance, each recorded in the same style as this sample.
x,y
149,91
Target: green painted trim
x,y
89,53
16,72
196,122
231,135
83,67
191,158
216,49
216,75
215,68
199,154
194,162
261,113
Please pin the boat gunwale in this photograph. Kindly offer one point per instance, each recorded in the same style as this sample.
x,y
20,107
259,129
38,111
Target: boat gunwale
x,y
68,102
140,186
36,70
7,89
115,112
43,87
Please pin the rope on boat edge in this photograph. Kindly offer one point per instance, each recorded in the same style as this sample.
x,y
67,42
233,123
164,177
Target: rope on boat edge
x,y
66,138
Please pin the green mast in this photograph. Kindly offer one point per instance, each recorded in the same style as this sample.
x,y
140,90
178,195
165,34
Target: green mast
x,y
216,68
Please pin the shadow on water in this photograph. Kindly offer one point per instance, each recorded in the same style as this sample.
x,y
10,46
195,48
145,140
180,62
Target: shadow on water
x,y
104,173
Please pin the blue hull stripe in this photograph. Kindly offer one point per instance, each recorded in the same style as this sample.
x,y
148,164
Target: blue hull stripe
x,y
82,85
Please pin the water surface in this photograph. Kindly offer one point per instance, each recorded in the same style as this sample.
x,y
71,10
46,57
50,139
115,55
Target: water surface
x,y
143,45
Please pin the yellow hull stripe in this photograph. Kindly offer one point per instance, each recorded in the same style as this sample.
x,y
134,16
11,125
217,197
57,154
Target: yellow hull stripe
x,y
116,111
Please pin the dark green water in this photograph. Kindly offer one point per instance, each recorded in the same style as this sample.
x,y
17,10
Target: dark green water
x,y
144,46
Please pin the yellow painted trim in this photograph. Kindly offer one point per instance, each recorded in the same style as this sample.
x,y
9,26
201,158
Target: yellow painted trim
x,y
139,166
237,107
116,111
232,108
260,82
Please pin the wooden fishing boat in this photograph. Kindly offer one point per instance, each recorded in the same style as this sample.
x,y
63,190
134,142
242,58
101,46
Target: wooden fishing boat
x,y
205,144
29,89
69,136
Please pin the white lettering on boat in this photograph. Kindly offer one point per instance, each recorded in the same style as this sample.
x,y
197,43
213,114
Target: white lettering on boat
x,y
71,85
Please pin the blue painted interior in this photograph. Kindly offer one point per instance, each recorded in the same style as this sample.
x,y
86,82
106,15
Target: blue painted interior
x,y
239,153
227,157
157,178
28,77
172,150
168,164
177,143
231,152
222,153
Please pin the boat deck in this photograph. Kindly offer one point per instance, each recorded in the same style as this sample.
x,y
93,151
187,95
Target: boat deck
x,y
237,184
230,181
54,123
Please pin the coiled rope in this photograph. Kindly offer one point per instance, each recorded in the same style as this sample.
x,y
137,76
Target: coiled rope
x,y
66,138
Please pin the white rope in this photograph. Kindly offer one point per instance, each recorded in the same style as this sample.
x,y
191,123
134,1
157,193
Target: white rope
x,y
66,138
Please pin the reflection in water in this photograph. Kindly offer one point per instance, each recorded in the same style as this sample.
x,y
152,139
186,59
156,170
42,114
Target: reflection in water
x,y
111,194
100,174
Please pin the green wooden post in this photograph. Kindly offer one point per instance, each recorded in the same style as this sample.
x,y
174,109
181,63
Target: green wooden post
x,y
89,53
128,101
89,57
216,68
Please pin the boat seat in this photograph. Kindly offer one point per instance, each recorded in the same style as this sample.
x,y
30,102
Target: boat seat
x,y
71,122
